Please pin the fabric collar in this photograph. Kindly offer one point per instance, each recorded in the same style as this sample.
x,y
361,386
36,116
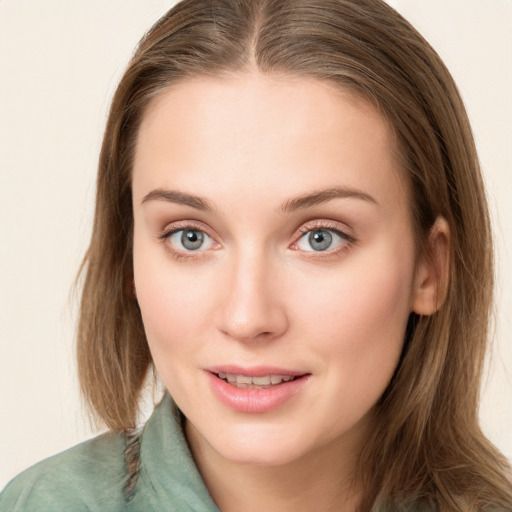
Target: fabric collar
x,y
167,462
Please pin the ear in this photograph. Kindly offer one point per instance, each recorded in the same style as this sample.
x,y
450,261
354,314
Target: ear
x,y
433,270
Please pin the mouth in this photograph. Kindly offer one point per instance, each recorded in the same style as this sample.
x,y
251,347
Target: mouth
x,y
255,390
262,382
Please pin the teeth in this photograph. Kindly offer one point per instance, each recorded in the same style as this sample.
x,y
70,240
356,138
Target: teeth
x,y
242,379
246,382
262,381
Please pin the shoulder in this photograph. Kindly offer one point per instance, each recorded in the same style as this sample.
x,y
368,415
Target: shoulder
x,y
89,476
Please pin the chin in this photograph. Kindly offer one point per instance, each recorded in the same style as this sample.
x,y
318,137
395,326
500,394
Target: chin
x,y
256,456
259,445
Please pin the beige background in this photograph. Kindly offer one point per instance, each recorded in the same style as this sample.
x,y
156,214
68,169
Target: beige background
x,y
59,64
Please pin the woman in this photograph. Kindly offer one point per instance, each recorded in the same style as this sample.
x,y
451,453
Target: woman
x,y
291,227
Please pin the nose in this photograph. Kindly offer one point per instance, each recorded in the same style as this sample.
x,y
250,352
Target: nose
x,y
253,304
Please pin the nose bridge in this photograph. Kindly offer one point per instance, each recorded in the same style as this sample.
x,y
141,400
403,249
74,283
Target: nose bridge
x,y
253,307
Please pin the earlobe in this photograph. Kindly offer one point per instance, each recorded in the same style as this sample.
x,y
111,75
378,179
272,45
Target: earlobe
x,y
433,270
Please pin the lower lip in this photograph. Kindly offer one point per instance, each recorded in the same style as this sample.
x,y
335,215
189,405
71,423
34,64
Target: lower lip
x,y
255,400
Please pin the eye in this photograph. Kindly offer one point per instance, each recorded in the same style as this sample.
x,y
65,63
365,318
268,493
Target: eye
x,y
189,240
321,240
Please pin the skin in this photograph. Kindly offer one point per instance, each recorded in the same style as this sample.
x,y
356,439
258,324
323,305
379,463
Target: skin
x,y
257,293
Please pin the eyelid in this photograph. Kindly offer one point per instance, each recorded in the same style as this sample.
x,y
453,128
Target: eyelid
x,y
170,229
183,224
329,225
338,227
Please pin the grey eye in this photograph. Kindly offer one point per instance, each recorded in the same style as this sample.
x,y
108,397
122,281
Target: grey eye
x,y
319,240
190,240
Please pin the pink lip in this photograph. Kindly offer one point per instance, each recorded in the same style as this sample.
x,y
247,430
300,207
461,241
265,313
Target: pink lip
x,y
254,400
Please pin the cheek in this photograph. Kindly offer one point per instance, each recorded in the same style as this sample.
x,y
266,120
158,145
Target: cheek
x,y
364,311
172,300
174,312
357,340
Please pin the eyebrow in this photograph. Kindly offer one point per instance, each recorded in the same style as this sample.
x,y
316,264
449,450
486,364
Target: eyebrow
x,y
293,204
322,196
174,196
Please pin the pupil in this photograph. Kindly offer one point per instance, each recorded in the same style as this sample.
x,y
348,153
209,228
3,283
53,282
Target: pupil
x,y
192,239
320,239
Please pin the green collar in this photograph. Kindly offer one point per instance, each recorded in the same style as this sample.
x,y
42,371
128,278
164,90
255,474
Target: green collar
x,y
167,468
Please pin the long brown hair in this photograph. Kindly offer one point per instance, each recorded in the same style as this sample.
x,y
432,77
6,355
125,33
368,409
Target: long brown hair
x,y
426,445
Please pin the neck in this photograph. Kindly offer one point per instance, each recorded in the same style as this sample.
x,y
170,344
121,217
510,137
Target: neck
x,y
322,481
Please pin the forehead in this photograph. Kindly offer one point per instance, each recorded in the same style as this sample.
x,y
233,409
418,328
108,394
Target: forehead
x,y
273,136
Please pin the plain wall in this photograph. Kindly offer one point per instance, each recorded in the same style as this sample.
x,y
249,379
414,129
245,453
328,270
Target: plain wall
x,y
59,64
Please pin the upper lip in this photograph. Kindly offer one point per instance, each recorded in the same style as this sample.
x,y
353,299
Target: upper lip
x,y
253,371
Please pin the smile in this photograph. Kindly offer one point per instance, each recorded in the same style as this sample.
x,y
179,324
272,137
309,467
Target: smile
x,y
263,390
247,382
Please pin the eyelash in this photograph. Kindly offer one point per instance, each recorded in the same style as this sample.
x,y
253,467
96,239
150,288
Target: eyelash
x,y
325,226
177,254
175,228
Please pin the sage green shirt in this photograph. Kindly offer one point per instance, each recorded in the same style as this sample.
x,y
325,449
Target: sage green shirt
x,y
92,476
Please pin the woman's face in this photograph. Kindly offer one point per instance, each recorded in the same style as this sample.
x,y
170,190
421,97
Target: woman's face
x,y
274,262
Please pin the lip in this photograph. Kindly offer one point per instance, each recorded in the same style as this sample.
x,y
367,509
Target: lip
x,y
255,400
254,371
